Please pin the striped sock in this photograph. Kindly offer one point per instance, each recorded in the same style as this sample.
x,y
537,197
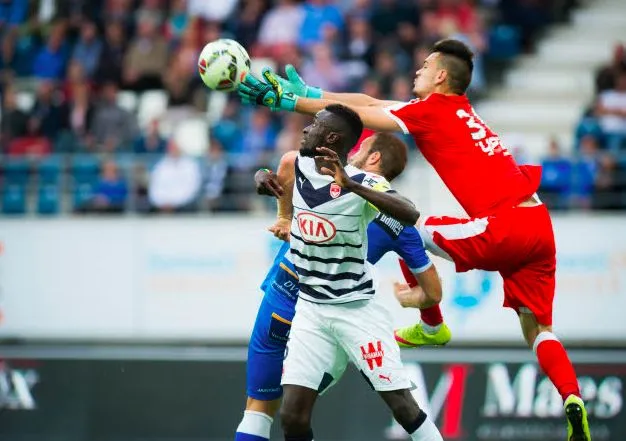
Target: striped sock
x,y
254,426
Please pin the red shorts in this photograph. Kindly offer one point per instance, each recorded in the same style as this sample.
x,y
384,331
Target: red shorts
x,y
518,243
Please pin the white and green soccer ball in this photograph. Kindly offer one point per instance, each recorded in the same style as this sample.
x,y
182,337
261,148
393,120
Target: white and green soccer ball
x,y
223,64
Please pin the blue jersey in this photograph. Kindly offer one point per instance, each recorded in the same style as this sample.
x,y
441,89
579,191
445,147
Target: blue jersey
x,y
271,329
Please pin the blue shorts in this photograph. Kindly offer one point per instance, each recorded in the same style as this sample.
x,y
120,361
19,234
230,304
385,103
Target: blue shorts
x,y
266,350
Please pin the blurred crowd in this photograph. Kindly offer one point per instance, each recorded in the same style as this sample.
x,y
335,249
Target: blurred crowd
x,y
93,91
595,176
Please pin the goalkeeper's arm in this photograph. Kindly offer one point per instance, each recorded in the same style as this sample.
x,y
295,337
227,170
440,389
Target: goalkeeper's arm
x,y
356,99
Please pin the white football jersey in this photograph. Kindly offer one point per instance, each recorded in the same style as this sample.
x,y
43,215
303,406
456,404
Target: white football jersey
x,y
329,235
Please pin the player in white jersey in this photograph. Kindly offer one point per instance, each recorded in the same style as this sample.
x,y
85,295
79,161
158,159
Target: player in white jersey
x,y
338,317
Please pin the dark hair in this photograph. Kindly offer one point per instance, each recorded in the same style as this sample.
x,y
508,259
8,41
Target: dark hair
x,y
353,126
457,61
393,154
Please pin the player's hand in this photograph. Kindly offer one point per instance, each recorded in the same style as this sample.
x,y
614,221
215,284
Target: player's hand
x,y
281,229
266,92
296,85
406,295
267,183
333,167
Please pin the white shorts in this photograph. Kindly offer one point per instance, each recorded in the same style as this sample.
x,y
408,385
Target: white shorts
x,y
323,338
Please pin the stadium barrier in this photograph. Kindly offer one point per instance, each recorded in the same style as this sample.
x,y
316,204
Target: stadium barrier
x,y
197,279
197,393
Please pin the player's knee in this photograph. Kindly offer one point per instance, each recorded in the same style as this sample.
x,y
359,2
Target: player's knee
x,y
294,421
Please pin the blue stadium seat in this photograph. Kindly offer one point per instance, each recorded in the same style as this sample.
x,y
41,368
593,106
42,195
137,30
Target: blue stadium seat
x,y
49,191
14,198
48,198
85,170
16,171
49,170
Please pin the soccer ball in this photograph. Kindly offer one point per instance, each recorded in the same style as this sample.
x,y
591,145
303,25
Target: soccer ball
x,y
223,64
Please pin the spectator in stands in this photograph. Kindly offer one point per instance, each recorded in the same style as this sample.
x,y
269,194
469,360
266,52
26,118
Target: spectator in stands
x,y
46,118
77,114
430,28
359,49
177,21
606,75
111,60
460,12
584,172
13,122
146,58
154,9
246,28
75,78
289,137
175,182
386,69
110,192
112,125
610,185
228,130
281,25
611,110
402,89
151,142
389,14
258,140
214,174
88,49
317,14
556,177
323,69
50,62
119,11
216,11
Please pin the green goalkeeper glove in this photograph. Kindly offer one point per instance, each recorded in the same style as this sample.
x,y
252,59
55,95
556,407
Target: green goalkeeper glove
x,y
294,83
267,93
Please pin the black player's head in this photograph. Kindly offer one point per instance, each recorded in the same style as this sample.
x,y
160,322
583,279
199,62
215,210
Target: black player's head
x,y
382,153
336,127
448,69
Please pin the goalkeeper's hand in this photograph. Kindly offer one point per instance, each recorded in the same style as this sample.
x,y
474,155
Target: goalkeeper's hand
x,y
295,84
266,92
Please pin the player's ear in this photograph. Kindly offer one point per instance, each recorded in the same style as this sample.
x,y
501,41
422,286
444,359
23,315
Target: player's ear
x,y
441,76
332,138
374,158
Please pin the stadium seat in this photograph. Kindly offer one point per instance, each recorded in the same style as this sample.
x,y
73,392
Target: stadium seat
x,y
85,170
16,171
152,104
48,198
25,101
216,103
192,136
127,100
14,199
49,191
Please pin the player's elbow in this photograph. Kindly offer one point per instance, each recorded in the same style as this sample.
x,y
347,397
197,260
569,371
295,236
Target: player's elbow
x,y
410,217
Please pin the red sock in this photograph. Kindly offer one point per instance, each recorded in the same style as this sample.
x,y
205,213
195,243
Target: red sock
x,y
554,362
431,316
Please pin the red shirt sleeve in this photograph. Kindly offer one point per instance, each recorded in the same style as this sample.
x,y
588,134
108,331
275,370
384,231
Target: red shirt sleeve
x,y
411,116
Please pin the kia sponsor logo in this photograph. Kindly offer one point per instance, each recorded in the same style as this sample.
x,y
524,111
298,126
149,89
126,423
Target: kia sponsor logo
x,y
314,228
